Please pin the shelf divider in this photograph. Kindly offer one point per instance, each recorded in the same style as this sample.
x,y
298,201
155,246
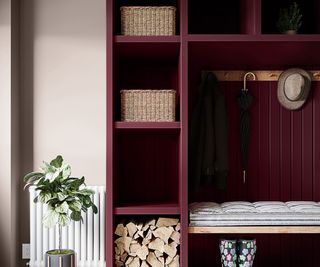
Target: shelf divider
x,y
147,125
148,209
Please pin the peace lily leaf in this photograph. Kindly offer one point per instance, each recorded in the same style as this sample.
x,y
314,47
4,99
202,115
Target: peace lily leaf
x,y
32,177
57,162
76,215
47,167
63,208
51,175
87,192
44,197
51,218
76,183
66,171
63,220
94,208
61,196
75,206
35,200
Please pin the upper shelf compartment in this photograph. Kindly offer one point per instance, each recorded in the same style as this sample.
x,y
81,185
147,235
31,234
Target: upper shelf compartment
x,y
154,3
310,11
214,17
224,17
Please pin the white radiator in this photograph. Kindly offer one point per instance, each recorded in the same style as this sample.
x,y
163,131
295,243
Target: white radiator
x,y
87,238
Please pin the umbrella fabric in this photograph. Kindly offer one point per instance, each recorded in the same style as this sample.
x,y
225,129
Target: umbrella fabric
x,y
244,101
208,137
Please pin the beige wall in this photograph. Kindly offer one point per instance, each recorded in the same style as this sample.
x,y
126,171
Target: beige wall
x,y
63,49
62,92
5,132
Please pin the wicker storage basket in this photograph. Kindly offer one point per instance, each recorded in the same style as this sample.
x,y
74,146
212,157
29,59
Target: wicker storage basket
x,y
148,20
148,105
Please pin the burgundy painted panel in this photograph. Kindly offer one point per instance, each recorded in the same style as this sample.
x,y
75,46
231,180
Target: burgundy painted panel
x,y
146,168
285,150
284,160
284,153
275,167
316,142
307,148
264,144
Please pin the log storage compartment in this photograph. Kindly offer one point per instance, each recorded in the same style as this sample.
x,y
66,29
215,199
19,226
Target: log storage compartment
x,y
152,241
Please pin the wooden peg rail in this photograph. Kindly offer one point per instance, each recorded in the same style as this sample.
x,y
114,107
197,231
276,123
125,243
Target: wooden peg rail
x,y
261,75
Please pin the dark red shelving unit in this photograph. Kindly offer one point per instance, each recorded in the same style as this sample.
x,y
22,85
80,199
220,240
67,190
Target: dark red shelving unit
x,y
284,148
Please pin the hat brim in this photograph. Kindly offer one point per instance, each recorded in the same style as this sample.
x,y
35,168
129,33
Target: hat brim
x,y
284,101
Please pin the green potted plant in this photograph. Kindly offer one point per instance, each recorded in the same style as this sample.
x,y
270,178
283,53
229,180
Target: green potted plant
x,y
66,197
290,19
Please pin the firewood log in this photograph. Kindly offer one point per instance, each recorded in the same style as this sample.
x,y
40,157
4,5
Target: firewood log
x,y
175,262
148,224
171,249
167,222
134,263
175,236
132,228
121,230
142,252
126,241
163,233
153,261
157,244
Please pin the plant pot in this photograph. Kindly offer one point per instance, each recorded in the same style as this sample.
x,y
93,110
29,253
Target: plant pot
x,y
291,32
66,258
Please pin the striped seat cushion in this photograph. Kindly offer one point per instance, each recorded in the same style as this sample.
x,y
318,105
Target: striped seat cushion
x,y
256,213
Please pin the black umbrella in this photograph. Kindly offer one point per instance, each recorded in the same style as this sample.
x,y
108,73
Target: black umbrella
x,y
244,101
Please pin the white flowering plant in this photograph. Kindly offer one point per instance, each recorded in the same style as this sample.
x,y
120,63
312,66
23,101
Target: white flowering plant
x,y
65,196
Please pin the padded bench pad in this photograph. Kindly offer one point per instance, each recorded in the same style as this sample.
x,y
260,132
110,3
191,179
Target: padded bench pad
x,y
254,214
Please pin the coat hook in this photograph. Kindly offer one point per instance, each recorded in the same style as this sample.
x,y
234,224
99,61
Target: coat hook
x,y
245,80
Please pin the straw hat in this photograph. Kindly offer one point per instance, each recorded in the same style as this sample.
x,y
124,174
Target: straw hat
x,y
293,88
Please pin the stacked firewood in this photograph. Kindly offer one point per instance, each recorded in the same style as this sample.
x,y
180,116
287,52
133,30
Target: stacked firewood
x,y
152,243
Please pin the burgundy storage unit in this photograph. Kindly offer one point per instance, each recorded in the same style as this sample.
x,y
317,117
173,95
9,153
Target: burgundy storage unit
x,y
147,162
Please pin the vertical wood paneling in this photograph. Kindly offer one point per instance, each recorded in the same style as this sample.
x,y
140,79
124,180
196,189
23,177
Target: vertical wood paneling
x,y
285,150
253,158
307,137
274,142
316,142
284,164
296,157
263,141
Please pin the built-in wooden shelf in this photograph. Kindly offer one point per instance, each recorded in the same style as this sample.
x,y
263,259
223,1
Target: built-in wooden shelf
x,y
147,39
147,125
253,38
255,230
149,209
